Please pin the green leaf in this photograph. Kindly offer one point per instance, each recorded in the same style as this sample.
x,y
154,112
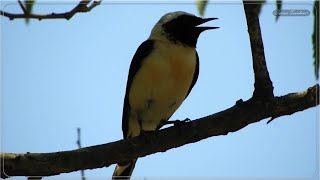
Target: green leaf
x,y
29,5
279,6
315,41
201,4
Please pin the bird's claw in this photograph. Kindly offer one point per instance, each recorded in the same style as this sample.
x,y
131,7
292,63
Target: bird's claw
x,y
176,122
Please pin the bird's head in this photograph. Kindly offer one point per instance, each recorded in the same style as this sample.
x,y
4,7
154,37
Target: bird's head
x,y
180,27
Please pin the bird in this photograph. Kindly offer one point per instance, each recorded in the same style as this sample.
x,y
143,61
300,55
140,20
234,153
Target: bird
x,y
162,73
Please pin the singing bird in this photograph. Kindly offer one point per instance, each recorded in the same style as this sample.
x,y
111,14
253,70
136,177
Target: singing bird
x,y
162,73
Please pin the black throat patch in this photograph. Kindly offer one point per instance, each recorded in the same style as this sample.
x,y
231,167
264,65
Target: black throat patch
x,y
183,29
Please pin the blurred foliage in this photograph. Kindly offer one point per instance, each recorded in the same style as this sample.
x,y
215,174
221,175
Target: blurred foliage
x,y
201,4
279,6
28,5
315,41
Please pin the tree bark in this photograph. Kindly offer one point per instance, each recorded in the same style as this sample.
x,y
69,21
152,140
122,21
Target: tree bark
x,y
263,88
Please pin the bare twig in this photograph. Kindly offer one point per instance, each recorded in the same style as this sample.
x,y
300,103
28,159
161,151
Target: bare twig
x,y
222,123
79,138
22,7
263,84
79,146
80,8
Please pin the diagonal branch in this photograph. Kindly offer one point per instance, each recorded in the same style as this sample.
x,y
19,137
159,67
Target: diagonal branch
x,y
80,8
222,123
263,84
22,7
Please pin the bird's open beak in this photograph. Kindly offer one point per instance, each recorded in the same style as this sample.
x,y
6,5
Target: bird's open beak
x,y
204,20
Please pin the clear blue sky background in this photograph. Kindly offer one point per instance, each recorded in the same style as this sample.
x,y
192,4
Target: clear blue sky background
x,y
57,75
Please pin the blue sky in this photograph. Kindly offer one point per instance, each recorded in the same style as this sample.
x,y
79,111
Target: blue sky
x,y
57,75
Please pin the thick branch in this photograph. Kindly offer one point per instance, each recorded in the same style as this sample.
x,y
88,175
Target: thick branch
x,y
81,7
263,84
222,123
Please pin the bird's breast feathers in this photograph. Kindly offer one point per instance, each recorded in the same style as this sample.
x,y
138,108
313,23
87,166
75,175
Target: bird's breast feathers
x,y
161,84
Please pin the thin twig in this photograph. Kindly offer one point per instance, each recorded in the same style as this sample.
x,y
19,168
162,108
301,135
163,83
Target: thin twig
x,y
79,146
80,8
22,7
79,138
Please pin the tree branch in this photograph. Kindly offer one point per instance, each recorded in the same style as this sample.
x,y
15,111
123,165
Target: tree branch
x,y
222,123
263,84
22,7
81,7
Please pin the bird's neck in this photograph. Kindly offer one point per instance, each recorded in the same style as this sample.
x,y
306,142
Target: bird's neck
x,y
164,39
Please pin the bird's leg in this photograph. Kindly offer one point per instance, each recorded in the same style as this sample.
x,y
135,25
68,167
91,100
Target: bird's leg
x,y
143,132
176,122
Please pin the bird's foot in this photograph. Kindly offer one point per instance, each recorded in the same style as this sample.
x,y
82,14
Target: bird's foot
x,y
176,122
182,121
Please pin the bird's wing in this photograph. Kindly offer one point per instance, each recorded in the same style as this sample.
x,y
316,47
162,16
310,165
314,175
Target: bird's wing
x,y
195,75
143,51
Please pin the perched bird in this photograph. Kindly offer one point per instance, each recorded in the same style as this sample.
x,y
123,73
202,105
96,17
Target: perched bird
x,y
162,73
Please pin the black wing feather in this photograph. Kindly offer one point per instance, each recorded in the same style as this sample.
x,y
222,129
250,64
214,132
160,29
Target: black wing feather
x,y
143,51
195,76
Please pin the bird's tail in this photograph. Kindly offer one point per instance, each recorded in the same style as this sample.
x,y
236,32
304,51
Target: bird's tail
x,y
124,171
